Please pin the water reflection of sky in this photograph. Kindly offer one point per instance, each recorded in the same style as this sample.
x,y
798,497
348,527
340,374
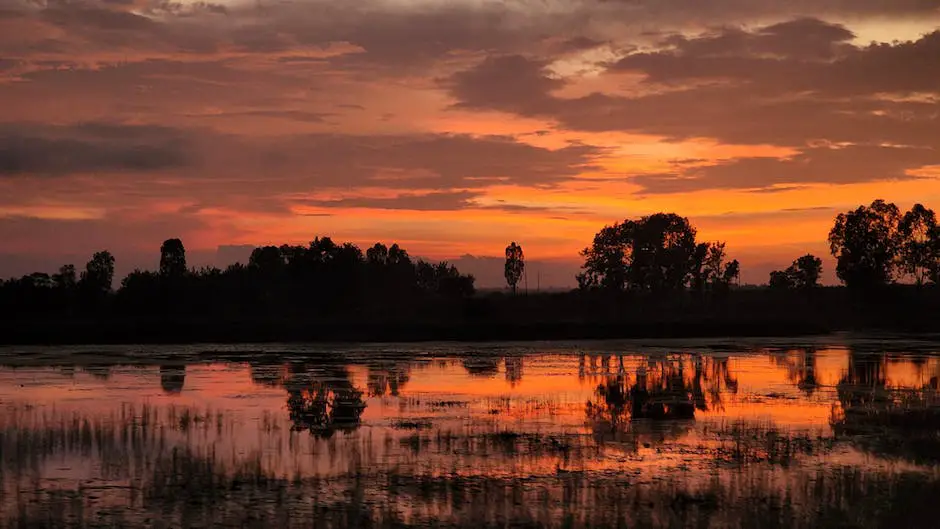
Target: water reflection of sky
x,y
694,419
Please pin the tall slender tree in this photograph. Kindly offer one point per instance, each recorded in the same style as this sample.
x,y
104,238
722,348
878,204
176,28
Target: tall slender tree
x,y
515,265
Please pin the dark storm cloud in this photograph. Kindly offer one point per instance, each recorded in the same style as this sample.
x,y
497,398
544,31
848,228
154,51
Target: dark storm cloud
x,y
84,148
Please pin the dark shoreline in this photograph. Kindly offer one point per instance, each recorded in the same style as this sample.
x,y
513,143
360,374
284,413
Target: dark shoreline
x,y
240,332
498,317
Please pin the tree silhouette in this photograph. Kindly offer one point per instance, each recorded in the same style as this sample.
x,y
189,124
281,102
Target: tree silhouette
x,y
866,243
281,286
377,255
919,252
267,259
803,274
99,273
66,278
515,265
397,256
655,253
780,280
605,261
172,258
443,279
716,273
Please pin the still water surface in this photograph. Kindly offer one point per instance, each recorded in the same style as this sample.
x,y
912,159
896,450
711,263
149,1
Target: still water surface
x,y
832,432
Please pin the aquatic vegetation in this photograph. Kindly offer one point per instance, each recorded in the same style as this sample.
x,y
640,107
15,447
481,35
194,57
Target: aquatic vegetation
x,y
769,437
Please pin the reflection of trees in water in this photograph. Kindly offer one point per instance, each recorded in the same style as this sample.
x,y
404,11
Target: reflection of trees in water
x,y
487,366
268,374
99,371
801,368
513,370
481,366
892,421
659,389
321,398
172,378
862,386
388,379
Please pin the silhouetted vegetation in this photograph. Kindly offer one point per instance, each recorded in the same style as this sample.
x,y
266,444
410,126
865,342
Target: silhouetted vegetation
x,y
322,282
803,275
515,265
875,246
642,277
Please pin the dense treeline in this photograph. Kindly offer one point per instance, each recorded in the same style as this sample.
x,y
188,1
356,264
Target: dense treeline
x,y
324,280
647,276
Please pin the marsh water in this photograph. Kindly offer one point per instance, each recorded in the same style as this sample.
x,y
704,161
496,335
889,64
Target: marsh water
x,y
839,431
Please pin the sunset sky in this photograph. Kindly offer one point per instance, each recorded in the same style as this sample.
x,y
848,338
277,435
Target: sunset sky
x,y
453,127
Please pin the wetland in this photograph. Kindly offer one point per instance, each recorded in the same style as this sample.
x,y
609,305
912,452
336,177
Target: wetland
x,y
834,431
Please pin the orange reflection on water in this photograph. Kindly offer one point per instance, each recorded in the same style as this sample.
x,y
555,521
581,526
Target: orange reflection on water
x,y
696,420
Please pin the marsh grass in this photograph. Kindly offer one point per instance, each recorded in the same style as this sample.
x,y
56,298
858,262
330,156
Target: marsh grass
x,y
743,442
436,461
155,483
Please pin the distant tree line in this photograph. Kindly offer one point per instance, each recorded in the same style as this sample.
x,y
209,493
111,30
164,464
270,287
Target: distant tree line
x,y
323,279
656,256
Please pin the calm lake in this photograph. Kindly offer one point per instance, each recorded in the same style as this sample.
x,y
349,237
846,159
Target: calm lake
x,y
837,431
